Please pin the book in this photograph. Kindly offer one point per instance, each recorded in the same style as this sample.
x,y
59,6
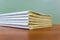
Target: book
x,y
26,19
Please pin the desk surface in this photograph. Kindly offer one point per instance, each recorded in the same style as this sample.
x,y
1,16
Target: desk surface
x,y
7,33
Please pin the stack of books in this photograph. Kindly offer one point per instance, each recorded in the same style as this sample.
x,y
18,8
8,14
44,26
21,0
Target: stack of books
x,y
26,19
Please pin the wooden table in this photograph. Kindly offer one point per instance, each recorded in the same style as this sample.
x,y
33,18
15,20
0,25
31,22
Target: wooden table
x,y
52,33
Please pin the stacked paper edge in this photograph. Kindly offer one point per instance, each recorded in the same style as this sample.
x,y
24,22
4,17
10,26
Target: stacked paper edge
x,y
26,19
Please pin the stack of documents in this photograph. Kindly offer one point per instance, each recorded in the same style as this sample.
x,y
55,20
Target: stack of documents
x,y
25,19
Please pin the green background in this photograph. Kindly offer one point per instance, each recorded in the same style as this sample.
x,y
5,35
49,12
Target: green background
x,y
51,7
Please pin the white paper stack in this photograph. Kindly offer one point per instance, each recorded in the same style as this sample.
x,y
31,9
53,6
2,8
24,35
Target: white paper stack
x,y
25,19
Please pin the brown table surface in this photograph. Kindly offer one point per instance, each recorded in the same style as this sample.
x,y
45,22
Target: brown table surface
x,y
52,33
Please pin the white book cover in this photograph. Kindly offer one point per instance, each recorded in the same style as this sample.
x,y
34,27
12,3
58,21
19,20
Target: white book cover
x,y
15,19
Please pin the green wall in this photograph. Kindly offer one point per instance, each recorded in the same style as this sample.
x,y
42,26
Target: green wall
x,y
51,7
